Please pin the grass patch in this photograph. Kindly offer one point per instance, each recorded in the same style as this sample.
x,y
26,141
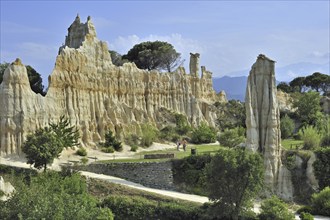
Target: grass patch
x,y
139,157
291,144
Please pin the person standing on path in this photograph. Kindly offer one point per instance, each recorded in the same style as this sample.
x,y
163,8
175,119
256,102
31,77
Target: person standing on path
x,y
184,144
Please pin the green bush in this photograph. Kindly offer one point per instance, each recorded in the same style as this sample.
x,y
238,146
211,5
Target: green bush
x,y
321,202
149,135
325,142
111,142
232,138
81,152
311,137
132,140
107,149
188,173
203,134
52,196
84,160
322,166
306,216
136,207
306,209
134,148
182,125
287,127
167,133
274,208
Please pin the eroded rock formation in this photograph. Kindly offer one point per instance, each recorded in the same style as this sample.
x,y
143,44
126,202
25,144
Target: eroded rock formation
x,y
97,95
263,125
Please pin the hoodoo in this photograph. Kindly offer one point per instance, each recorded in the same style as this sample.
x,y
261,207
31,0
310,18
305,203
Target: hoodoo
x,y
263,125
96,95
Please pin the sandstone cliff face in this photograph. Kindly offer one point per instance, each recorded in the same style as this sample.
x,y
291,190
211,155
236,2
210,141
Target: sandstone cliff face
x,y
96,95
263,125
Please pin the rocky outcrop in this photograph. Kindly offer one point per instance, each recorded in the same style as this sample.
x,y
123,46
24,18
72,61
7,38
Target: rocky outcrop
x,y
96,95
284,101
263,125
6,188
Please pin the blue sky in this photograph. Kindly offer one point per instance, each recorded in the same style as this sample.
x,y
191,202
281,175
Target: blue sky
x,y
229,35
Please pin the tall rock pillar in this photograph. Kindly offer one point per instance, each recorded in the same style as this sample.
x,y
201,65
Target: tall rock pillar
x,y
194,64
263,125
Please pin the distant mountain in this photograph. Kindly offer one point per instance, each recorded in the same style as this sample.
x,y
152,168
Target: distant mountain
x,y
235,86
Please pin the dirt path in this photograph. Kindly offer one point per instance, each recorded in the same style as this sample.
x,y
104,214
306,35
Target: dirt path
x,y
177,195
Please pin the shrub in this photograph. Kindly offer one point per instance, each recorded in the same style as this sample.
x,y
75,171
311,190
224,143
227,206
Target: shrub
x,y
322,166
108,150
274,208
84,160
81,152
306,216
203,134
134,148
306,209
188,173
167,133
287,127
311,137
232,138
182,125
321,202
132,140
136,207
111,141
325,142
149,135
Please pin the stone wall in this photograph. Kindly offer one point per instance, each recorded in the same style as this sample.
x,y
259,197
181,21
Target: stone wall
x,y
151,174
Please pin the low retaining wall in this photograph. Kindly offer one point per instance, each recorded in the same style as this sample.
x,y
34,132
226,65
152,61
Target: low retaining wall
x,y
151,174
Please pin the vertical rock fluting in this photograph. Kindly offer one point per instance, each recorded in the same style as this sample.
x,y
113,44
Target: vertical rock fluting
x,y
263,125
96,95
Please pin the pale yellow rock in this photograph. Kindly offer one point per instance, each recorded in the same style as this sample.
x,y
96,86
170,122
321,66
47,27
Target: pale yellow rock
x,y
263,125
96,95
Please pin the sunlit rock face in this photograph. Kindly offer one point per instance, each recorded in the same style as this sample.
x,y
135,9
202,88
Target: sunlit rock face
x,y
263,125
96,95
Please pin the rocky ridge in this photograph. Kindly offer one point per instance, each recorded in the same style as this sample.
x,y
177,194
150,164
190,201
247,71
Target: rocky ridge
x,y
96,95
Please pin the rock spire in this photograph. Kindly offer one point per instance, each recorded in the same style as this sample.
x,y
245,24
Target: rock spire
x,y
263,125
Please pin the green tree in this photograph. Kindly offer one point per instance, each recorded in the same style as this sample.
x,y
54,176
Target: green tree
x,y
3,67
154,55
285,87
311,137
321,202
182,125
42,147
287,127
232,115
274,208
318,82
322,166
111,141
149,135
298,84
34,78
203,134
116,58
67,134
233,179
308,107
232,138
52,196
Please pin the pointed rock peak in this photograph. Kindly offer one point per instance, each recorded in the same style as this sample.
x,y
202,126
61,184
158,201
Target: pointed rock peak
x,y
77,32
17,62
263,57
77,20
